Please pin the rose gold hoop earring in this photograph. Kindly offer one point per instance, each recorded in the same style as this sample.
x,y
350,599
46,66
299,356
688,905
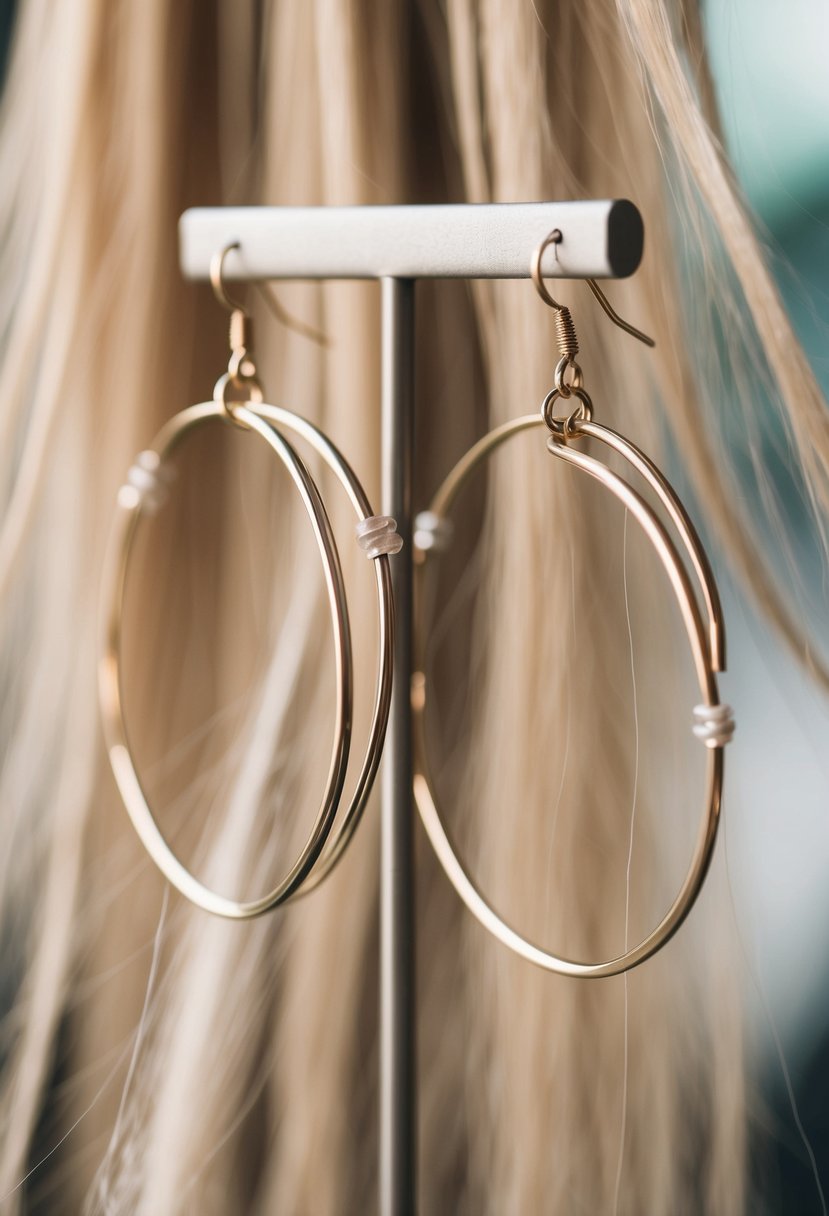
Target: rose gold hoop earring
x,y
238,400
713,722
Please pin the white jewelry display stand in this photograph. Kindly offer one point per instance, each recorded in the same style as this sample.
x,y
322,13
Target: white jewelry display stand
x,y
397,246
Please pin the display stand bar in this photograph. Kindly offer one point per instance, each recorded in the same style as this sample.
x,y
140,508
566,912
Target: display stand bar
x,y
600,239
398,245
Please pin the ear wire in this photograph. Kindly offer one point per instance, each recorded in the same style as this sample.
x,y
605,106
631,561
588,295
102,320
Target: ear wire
x,y
277,309
568,343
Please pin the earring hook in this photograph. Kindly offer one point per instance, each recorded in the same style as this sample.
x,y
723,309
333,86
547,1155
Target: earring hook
x,y
281,314
614,316
555,238
217,282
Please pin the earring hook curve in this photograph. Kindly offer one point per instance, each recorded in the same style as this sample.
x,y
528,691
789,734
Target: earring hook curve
x,y
217,282
269,296
555,238
611,312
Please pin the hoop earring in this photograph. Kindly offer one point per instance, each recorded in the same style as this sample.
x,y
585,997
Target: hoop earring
x,y
238,400
713,722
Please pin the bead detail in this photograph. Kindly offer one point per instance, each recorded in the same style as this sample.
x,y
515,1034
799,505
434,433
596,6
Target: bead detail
x,y
714,724
377,536
432,533
147,483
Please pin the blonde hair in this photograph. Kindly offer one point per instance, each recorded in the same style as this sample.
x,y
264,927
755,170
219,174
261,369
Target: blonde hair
x,y
251,1084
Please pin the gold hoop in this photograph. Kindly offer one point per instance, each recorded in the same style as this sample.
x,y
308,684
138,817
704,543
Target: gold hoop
x,y
238,400
714,726
142,491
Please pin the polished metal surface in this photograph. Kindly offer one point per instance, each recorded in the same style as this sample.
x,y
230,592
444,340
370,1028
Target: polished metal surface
x,y
398,1056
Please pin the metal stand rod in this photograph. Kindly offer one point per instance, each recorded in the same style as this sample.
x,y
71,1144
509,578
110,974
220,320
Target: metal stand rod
x,y
398,1108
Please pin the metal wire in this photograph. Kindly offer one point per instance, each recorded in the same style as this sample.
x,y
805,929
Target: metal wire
x,y
127,516
707,647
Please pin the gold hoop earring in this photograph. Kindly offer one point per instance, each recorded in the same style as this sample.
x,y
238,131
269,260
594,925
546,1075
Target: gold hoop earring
x,y
713,721
238,399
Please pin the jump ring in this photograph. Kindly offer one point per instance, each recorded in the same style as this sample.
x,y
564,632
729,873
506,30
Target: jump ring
x,y
241,367
563,427
247,388
567,389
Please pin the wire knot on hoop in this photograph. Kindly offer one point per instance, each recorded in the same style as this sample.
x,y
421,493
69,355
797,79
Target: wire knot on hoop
x,y
147,484
377,534
714,724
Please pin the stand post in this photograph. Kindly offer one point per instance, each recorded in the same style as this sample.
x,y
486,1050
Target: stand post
x,y
398,1109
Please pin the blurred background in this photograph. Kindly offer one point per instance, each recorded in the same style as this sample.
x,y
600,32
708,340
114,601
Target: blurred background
x,y
769,68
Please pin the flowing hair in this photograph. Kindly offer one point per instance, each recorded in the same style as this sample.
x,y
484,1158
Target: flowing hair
x,y
157,1060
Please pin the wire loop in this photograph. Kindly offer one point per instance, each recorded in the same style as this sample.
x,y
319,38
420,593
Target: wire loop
x,y
563,426
713,722
109,672
332,830
564,387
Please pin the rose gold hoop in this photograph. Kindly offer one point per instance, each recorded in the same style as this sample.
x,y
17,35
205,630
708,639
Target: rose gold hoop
x,y
143,493
713,725
238,400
